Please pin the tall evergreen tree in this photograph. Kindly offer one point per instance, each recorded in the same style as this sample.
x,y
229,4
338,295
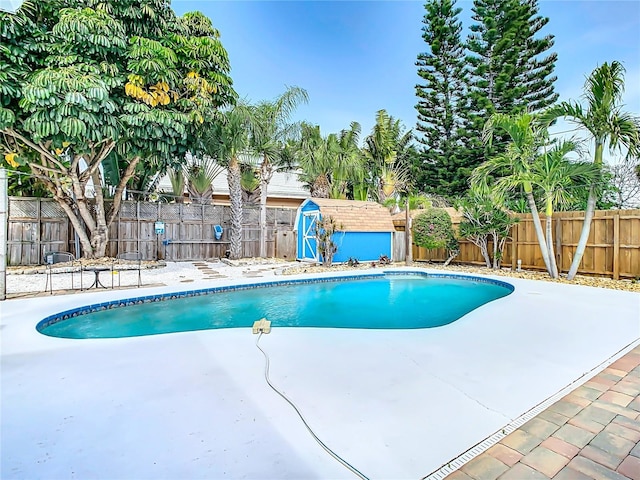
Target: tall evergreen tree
x,y
509,72
441,97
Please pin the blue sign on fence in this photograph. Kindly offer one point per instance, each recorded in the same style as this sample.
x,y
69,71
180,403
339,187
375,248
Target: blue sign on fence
x,y
159,226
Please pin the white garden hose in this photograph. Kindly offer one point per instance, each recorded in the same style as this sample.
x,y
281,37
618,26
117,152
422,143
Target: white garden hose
x,y
344,463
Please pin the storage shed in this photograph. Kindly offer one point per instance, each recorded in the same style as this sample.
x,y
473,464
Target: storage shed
x,y
366,229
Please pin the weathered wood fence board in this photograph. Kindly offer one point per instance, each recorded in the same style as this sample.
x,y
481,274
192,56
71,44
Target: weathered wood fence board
x,y
399,247
613,247
40,225
285,244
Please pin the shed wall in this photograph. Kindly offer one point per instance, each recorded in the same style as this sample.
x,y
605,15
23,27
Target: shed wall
x,y
363,246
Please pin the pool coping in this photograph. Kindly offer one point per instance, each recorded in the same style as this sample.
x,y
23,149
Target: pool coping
x,y
162,297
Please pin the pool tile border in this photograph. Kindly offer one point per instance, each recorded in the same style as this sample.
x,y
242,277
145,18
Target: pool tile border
x,y
87,309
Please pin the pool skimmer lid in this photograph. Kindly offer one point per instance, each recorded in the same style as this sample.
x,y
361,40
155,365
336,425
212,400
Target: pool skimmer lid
x,y
262,326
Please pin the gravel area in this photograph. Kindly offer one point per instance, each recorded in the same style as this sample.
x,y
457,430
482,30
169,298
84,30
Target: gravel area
x,y
600,282
67,277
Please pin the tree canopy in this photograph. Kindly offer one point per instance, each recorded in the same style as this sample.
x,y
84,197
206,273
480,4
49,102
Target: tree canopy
x,y
92,87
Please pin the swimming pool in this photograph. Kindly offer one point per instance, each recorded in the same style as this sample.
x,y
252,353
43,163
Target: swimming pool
x,y
384,301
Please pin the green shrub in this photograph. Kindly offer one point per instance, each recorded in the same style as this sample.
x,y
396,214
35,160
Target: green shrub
x,y
433,229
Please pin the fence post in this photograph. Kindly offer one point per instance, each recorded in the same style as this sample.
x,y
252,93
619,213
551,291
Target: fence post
x,y
559,243
514,246
4,217
408,252
38,232
616,245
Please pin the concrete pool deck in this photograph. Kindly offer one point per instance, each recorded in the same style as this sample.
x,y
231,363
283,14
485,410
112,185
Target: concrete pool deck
x,y
393,403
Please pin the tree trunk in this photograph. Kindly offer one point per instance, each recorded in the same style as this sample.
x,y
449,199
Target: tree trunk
x,y
584,235
320,187
539,233
85,241
408,244
235,196
100,236
481,242
266,172
588,216
502,241
484,249
452,254
550,250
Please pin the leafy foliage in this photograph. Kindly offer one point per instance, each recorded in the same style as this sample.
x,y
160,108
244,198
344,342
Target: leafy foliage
x,y
126,83
433,229
270,129
605,121
386,151
225,142
442,100
325,228
485,220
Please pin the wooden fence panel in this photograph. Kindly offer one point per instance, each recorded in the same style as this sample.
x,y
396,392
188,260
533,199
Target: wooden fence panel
x,y
285,244
39,225
629,252
613,247
399,247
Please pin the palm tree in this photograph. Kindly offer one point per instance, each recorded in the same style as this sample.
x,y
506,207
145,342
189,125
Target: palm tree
x,y
270,128
313,161
349,169
513,168
225,142
556,178
200,174
386,150
250,183
606,123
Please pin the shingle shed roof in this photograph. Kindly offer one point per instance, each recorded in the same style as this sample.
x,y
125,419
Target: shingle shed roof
x,y
355,215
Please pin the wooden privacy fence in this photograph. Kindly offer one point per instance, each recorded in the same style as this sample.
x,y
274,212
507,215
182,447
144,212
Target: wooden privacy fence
x,y
39,225
613,247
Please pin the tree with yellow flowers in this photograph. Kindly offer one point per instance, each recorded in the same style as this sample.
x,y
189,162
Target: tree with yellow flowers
x,y
90,89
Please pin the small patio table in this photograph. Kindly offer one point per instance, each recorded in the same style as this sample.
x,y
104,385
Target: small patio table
x,y
96,271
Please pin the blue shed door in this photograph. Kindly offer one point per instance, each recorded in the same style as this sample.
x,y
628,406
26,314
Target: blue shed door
x,y
309,244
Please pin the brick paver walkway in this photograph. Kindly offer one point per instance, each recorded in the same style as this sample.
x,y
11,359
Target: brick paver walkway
x,y
592,433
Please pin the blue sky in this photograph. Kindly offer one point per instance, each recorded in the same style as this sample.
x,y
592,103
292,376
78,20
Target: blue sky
x,y
355,58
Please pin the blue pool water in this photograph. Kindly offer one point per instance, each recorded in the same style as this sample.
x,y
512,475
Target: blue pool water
x,y
375,301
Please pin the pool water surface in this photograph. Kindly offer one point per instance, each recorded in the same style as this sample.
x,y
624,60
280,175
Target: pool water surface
x,y
375,302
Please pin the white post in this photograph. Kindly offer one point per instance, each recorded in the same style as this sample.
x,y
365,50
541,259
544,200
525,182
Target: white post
x,y
4,220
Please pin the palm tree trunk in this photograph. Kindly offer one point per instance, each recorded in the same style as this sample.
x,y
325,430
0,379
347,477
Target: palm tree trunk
x,y
235,197
588,216
584,235
320,187
538,228
550,251
266,172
